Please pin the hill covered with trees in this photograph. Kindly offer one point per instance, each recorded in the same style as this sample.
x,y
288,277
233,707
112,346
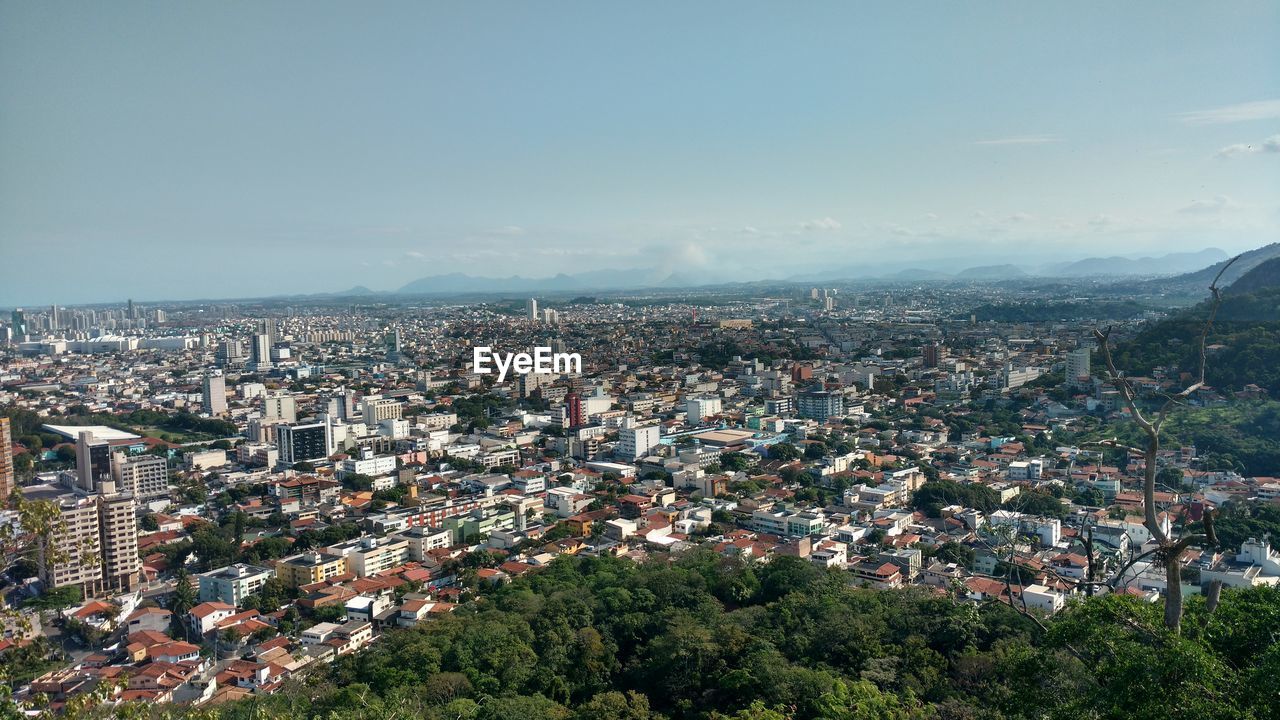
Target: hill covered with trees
x,y
1244,343
709,638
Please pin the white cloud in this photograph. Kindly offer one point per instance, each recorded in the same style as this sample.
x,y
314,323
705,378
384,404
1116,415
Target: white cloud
x,y
1270,145
416,254
1021,140
1211,206
826,223
507,230
1242,112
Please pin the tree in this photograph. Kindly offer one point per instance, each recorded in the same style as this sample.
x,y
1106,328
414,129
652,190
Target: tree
x,y
783,451
238,526
184,598
1168,550
956,553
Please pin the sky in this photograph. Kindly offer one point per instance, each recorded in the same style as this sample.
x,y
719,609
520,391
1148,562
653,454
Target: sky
x,y
244,149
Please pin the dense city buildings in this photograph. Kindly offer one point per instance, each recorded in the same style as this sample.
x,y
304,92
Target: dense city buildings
x,y
316,505
650,361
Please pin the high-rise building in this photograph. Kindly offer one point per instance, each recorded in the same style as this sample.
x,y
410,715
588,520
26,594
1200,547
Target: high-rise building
x,y
701,406
95,545
93,462
229,354
261,351
71,554
531,309
573,410
118,523
279,407
635,442
933,353
215,393
268,327
145,477
18,319
1078,371
819,404
8,475
55,318
130,312
340,404
305,442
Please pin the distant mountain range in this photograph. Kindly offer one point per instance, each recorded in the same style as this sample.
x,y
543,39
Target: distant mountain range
x,y
1170,264
1197,281
644,278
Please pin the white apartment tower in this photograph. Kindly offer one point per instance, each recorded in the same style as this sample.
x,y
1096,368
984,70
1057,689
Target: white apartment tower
x,y
96,546
215,393
146,477
636,442
261,352
1077,374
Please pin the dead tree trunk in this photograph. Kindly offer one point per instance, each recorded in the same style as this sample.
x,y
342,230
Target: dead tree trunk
x,y
1170,550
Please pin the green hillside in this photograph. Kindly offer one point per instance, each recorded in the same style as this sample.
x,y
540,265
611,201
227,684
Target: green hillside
x,y
1245,337
710,638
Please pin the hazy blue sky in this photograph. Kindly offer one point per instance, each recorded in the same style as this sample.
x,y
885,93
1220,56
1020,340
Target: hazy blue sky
x,y
221,149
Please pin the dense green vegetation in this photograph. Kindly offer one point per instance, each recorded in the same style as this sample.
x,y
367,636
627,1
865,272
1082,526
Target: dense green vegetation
x,y
1237,522
937,494
1060,311
1247,329
705,637
1242,436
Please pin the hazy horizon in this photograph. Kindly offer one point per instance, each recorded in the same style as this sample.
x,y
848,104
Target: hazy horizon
x,y
258,149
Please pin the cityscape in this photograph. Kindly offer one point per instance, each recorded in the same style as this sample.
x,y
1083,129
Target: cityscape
x,y
279,441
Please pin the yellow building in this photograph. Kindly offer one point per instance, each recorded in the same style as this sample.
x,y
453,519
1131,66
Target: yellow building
x,y
310,567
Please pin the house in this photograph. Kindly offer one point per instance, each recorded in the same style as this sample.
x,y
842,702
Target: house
x,y
367,607
415,611
148,618
204,618
319,633
350,637
174,652
1043,598
879,575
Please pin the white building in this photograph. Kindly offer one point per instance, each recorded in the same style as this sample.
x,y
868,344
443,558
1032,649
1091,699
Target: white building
x,y
279,407
1026,469
636,442
376,409
215,393
146,477
702,406
368,464
1077,374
